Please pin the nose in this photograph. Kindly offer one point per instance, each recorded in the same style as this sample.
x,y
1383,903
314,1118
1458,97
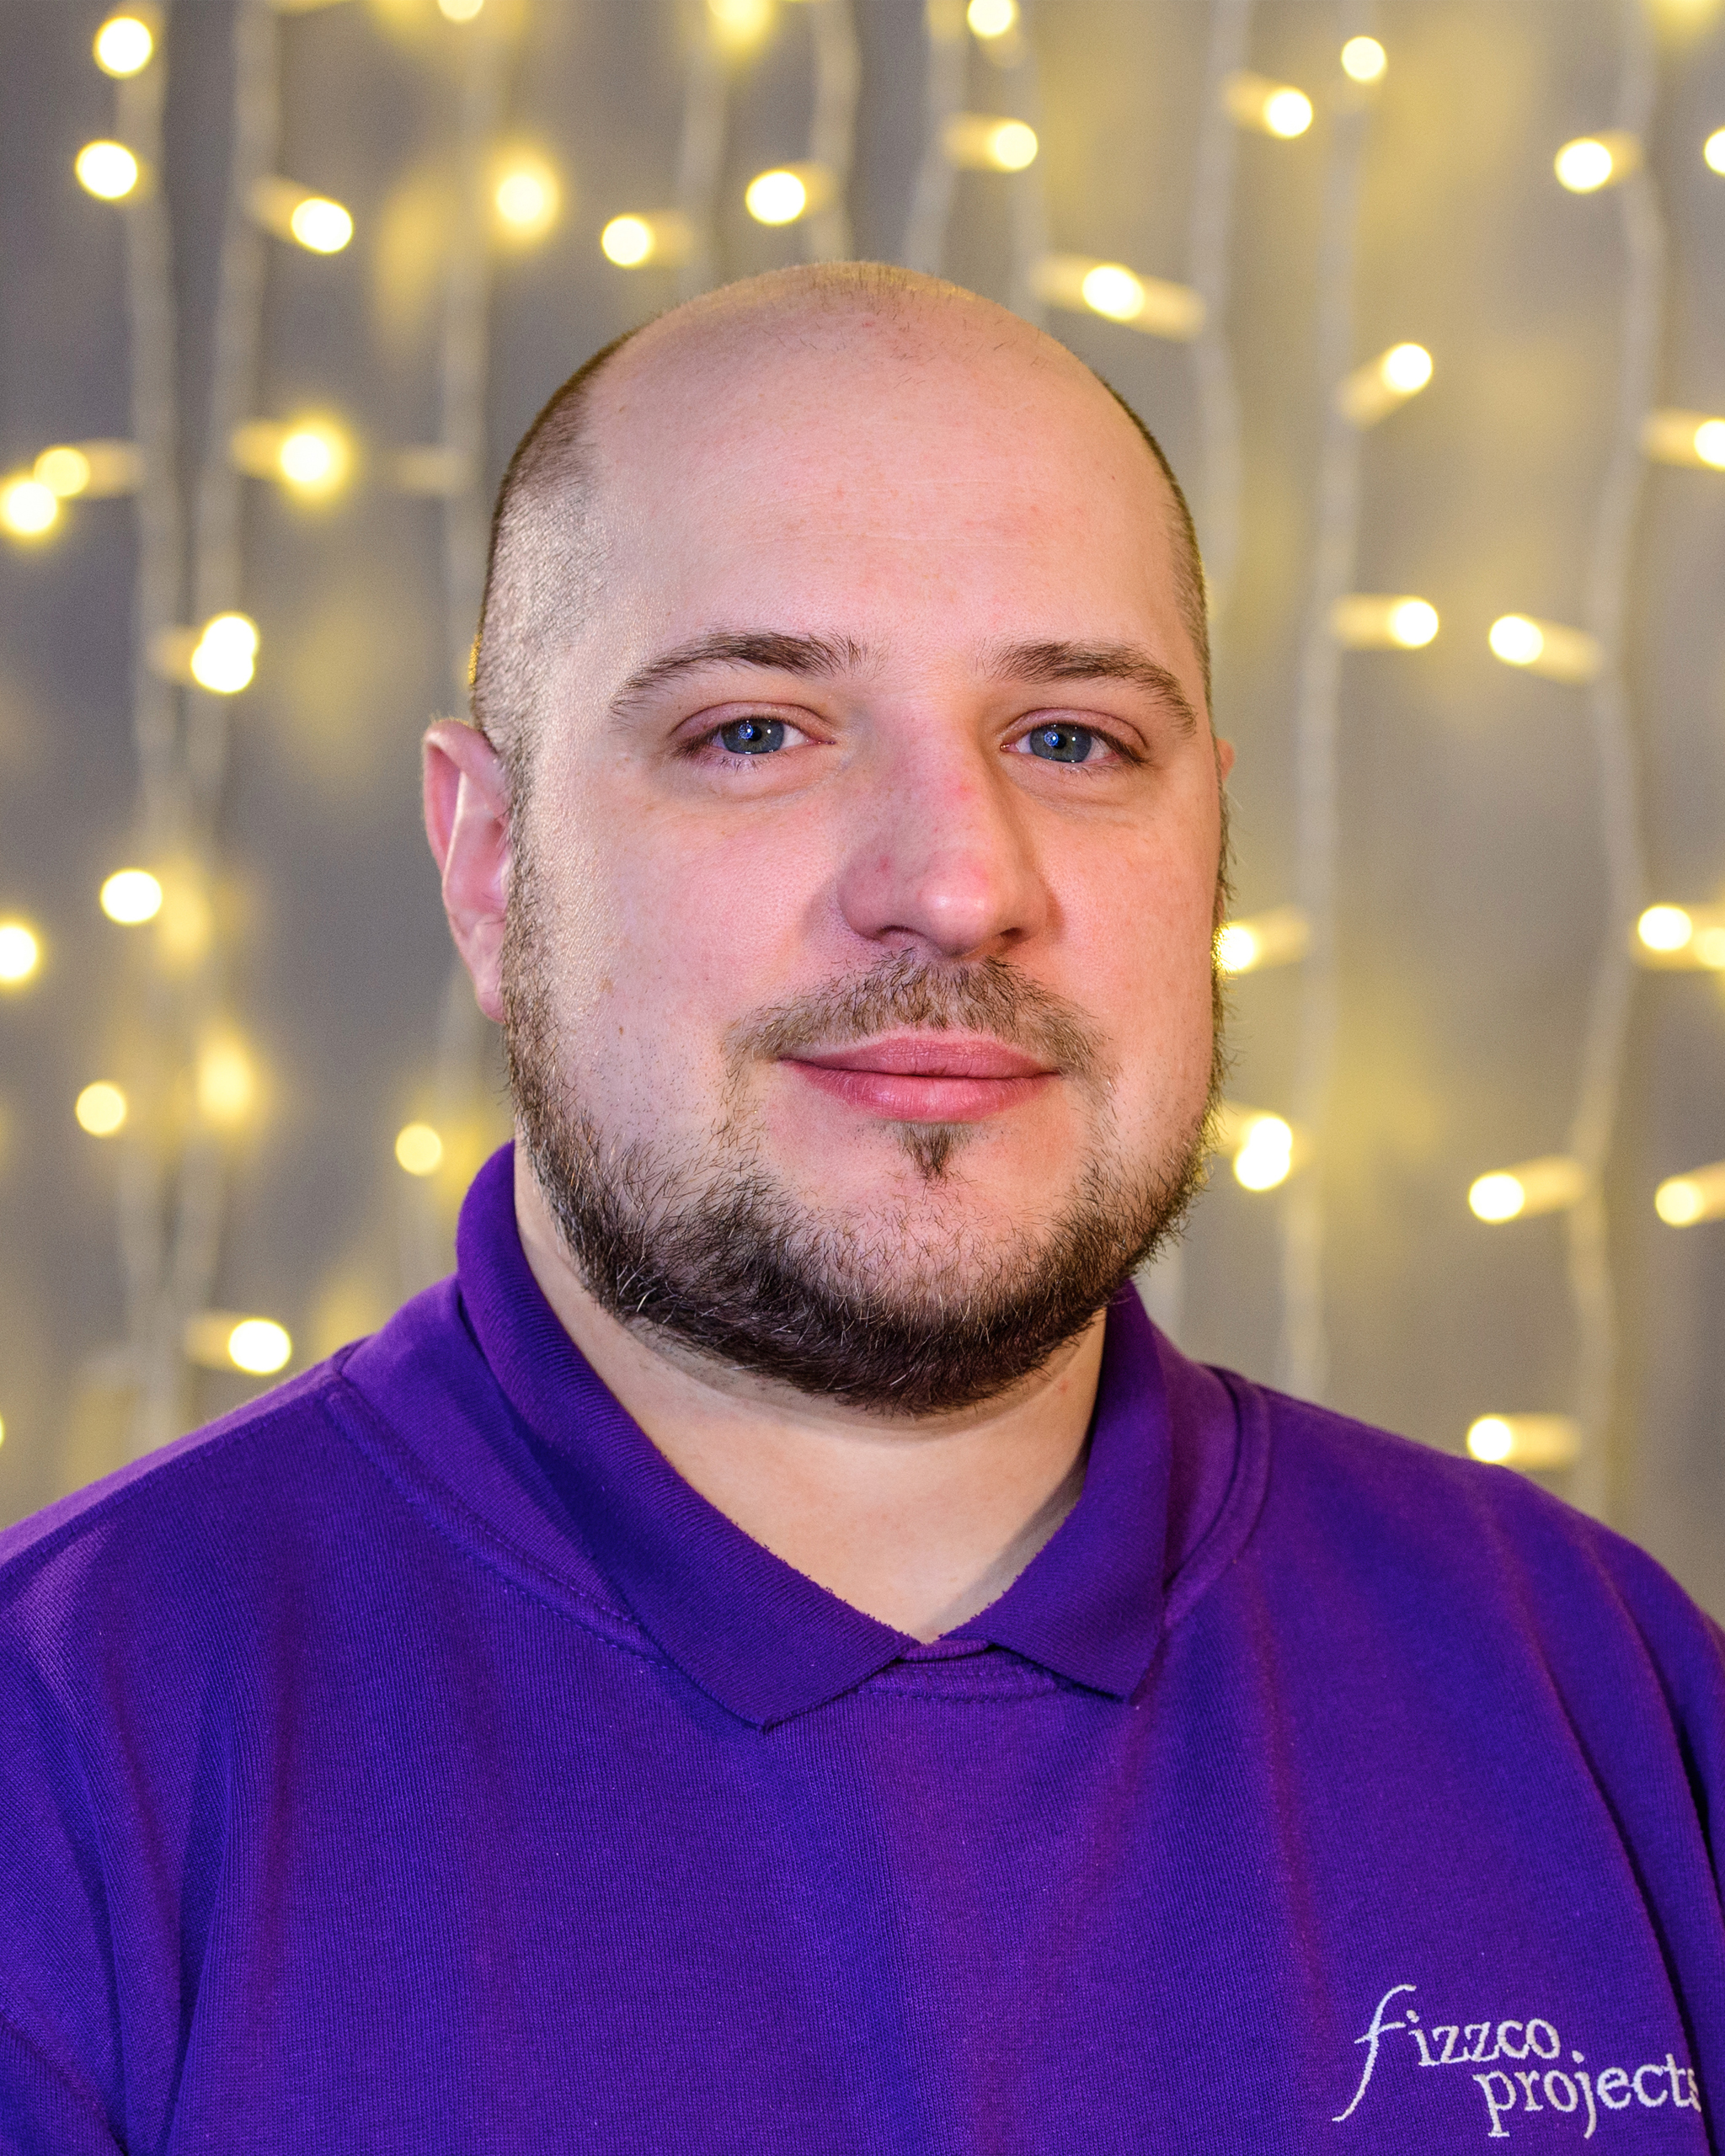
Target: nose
x,y
943,862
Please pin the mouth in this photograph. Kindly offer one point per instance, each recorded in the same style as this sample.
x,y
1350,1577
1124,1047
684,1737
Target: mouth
x,y
926,1077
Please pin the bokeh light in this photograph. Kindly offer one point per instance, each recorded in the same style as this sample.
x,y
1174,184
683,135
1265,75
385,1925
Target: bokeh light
x,y
225,658
321,225
527,197
778,197
28,509
259,1346
107,170
1363,59
20,953
124,45
992,18
100,1109
419,1149
131,896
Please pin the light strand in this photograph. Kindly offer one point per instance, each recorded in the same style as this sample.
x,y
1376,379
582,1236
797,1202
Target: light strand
x,y
947,44
1591,1287
1216,506
153,1366
462,1035
1208,240
1303,1357
700,149
832,127
1028,205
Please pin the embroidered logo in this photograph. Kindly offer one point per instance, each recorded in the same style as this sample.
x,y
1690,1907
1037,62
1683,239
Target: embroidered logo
x,y
1541,2086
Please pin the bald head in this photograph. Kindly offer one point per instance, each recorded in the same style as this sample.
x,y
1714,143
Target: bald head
x,y
838,328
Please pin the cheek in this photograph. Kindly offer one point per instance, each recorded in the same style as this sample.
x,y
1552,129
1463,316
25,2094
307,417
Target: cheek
x,y
1140,934
663,929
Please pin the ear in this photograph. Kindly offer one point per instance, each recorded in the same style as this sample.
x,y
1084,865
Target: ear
x,y
466,821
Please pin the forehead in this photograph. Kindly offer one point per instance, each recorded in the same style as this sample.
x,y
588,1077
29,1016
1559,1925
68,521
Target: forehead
x,y
894,458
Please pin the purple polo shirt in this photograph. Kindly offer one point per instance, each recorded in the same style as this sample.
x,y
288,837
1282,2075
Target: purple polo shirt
x,y
414,1762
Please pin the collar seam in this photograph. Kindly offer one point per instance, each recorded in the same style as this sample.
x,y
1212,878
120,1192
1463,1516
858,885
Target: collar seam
x,y
479,1542
1225,1541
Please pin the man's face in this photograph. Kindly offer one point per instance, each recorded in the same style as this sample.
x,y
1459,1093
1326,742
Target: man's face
x,y
858,979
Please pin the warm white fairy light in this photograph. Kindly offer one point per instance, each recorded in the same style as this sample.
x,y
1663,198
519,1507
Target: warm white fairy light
x,y
28,509
1552,1184
1681,938
1553,649
123,45
739,24
131,896
1591,162
1266,1154
1259,941
1271,108
1367,620
312,457
1692,438
419,1149
664,236
1263,1147
1372,391
224,658
1684,1201
292,212
989,19
20,953
979,141
224,1340
107,170
1538,1443
1363,59
1080,283
101,1109
527,196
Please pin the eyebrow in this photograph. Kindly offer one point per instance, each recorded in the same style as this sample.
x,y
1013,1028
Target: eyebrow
x,y
815,657
1049,663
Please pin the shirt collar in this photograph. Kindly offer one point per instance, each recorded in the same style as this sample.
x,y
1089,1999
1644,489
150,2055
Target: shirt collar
x,y
756,1634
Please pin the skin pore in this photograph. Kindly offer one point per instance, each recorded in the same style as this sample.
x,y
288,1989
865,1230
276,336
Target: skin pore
x,y
886,685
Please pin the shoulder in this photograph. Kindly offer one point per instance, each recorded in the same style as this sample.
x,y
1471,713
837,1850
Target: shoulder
x,y
175,1534
1394,1534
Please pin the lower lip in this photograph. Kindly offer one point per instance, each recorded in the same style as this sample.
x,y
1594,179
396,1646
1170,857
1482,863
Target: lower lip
x,y
898,1097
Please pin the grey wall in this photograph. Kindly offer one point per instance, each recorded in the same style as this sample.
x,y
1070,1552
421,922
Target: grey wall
x,y
1471,898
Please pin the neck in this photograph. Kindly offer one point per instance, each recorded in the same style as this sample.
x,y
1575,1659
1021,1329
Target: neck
x,y
919,1523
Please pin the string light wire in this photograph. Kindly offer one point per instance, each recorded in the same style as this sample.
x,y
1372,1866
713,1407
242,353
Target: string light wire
x,y
832,127
1029,209
1210,235
700,149
1303,1358
1216,509
1591,1287
945,68
150,1361
463,1036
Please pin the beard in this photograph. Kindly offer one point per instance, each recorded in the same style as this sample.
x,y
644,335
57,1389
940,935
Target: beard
x,y
904,1311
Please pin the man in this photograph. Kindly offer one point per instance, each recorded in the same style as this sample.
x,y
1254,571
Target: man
x,y
778,1654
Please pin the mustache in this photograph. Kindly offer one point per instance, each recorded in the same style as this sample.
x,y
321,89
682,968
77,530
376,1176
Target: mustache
x,y
988,996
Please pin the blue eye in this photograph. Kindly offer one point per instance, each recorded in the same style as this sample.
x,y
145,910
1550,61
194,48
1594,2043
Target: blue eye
x,y
752,737
1060,743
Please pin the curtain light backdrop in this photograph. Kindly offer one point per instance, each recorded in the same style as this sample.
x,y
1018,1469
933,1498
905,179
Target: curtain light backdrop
x,y
1425,299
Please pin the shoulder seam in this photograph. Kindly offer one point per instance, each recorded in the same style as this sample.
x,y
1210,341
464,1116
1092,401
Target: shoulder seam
x,y
215,1439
